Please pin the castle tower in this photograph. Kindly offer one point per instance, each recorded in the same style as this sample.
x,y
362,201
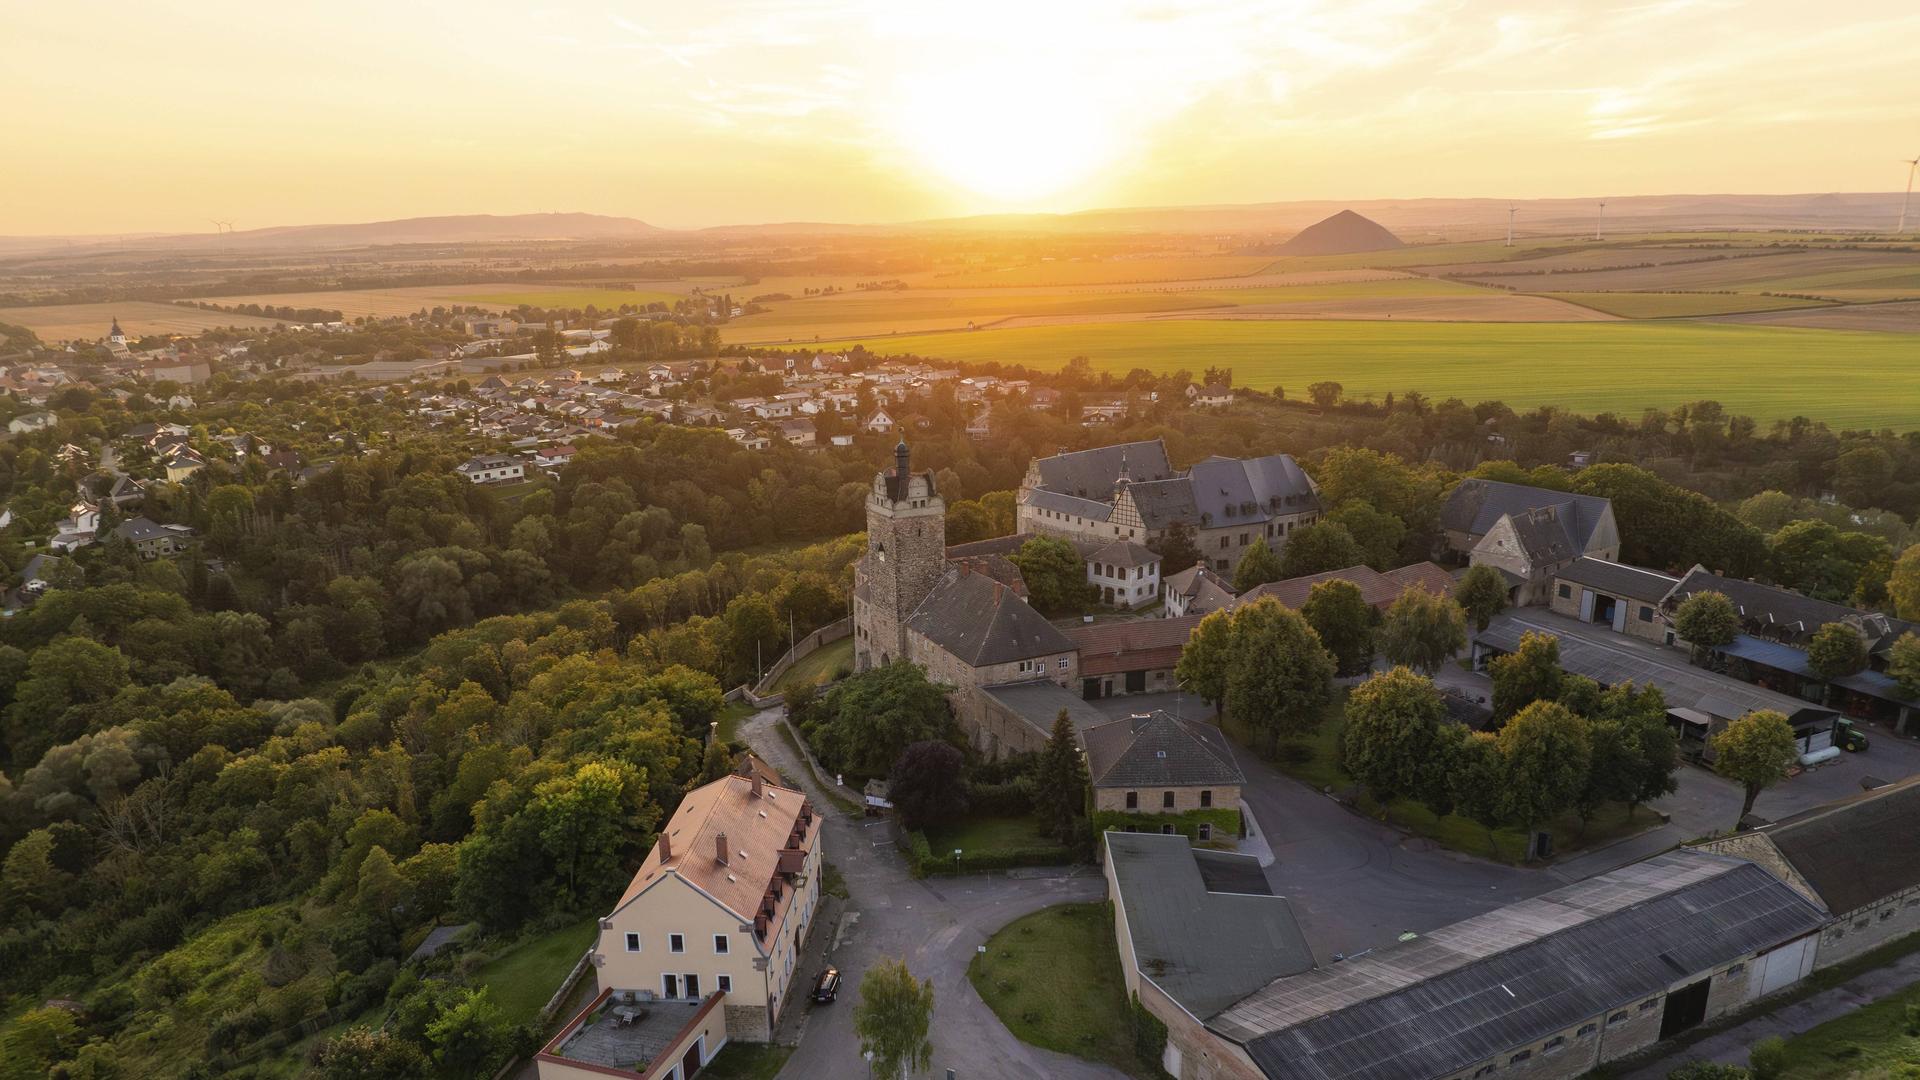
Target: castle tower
x,y
906,554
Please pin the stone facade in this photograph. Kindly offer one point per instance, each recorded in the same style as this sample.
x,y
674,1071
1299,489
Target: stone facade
x,y
1636,618
906,554
991,730
1153,800
1851,932
1223,546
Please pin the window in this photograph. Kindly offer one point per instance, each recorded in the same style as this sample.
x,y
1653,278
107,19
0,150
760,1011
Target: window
x,y
1133,800
1224,541
724,983
1206,831
1482,1071
1166,800
1646,613
720,944
693,985
1587,1029
1616,1018
1061,663
676,943
1206,798
1243,539
1555,1043
1566,591
669,986
1650,1003
633,942
1519,1057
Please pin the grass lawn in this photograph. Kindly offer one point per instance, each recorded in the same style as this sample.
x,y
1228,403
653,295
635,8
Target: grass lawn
x,y
988,833
730,717
1025,967
1316,761
1590,367
819,665
1871,1038
746,1061
524,977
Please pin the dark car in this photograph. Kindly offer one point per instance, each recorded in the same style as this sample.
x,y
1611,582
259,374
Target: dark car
x,y
827,986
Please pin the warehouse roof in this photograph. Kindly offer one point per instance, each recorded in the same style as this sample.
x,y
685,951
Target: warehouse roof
x,y
1463,994
1856,851
1203,925
1618,579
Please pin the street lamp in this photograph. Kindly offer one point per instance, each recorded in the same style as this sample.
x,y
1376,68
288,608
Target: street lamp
x,y
956,860
869,1056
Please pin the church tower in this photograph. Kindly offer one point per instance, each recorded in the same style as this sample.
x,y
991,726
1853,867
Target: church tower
x,y
906,554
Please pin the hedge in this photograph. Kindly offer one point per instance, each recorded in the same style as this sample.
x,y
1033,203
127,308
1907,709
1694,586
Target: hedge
x,y
1225,822
921,860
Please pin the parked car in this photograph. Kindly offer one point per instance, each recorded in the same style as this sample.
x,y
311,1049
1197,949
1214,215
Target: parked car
x,y
827,986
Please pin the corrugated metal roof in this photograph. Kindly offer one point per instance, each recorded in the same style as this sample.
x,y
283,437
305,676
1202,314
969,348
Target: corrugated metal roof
x,y
1618,579
1477,989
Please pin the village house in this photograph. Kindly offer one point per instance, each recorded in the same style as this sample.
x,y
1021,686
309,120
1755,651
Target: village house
x,y
182,463
29,422
1527,533
152,539
492,469
798,432
1210,396
879,423
1156,763
1126,574
1196,591
77,529
721,905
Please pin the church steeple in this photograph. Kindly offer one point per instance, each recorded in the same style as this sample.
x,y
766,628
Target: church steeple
x,y
116,334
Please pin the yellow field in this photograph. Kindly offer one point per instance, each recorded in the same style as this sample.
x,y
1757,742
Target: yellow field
x,y
1104,271
604,299
69,322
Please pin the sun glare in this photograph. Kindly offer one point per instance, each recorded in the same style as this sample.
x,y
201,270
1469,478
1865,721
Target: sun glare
x,y
1011,138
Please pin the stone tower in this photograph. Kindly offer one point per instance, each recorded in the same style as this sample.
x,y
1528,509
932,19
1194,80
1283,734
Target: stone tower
x,y
906,554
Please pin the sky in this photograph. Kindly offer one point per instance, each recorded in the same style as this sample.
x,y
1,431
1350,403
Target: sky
x,y
138,116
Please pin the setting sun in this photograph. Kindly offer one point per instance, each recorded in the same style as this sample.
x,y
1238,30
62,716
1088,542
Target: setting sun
x,y
989,134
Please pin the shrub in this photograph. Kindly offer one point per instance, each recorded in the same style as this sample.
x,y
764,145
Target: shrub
x,y
1768,1058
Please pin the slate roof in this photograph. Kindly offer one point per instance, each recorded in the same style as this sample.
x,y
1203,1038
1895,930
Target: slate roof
x,y
1474,505
1069,504
1479,988
1205,948
1089,474
138,529
1224,487
1618,579
1159,750
1543,535
1123,553
1857,851
1204,589
1160,503
1039,701
1132,645
1787,611
983,622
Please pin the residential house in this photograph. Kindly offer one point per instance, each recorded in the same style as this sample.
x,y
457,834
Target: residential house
x,y
721,906
1210,396
77,529
1126,574
880,423
752,440
492,469
1196,591
1158,764
798,432
1527,533
26,423
554,457
182,463
152,539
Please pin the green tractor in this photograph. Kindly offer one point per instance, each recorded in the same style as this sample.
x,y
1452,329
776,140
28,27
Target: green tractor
x,y
1848,736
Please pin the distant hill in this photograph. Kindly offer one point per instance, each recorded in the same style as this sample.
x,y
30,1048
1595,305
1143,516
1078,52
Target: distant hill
x,y
450,229
1345,233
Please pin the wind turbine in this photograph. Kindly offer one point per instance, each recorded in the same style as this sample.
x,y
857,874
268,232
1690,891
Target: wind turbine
x,y
1597,218
1912,164
1511,207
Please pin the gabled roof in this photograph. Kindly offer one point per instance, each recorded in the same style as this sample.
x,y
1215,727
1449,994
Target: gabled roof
x,y
1224,487
1203,925
1543,535
1159,750
1124,553
982,621
1199,583
1456,997
1787,610
756,830
1856,851
1090,474
1618,579
1377,589
1163,502
1474,505
1132,645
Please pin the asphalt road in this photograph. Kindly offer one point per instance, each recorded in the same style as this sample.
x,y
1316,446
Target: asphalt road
x,y
935,924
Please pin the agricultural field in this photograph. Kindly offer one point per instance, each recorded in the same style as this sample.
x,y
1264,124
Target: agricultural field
x,y
504,296
1900,318
1104,271
65,322
1662,305
912,310
1854,275
1623,366
562,297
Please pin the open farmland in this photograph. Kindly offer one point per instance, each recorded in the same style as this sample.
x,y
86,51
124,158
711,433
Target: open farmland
x,y
1659,305
1899,318
64,322
405,300
1766,372
1858,275
563,297
1105,271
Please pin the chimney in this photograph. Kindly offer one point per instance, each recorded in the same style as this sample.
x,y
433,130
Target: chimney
x,y
720,848
666,847
758,787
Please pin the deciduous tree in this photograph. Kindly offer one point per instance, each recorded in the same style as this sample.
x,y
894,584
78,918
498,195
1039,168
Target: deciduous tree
x,y
1391,733
1258,565
1344,620
1422,631
1528,674
928,785
1279,677
1706,620
1836,650
1056,575
1482,594
1202,668
1546,752
893,1018
1755,750
1319,547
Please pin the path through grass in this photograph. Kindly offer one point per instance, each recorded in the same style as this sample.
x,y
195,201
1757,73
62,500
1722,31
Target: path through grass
x,y
1024,974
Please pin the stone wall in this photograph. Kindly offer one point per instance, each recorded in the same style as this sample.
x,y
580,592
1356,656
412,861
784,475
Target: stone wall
x,y
1225,797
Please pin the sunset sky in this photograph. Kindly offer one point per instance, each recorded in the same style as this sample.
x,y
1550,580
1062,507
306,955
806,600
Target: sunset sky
x,y
122,117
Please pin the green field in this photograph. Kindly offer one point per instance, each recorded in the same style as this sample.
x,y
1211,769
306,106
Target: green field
x,y
1768,372
604,299
523,978
1657,305
819,665
1022,969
